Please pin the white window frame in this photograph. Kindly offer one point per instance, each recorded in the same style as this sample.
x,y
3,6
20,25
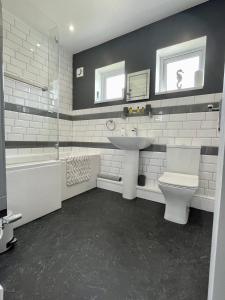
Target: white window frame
x,y
101,76
178,52
185,55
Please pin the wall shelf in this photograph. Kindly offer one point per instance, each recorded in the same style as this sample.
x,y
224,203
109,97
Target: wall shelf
x,y
147,111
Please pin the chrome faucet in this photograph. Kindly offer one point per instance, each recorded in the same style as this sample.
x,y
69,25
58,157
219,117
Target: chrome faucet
x,y
135,131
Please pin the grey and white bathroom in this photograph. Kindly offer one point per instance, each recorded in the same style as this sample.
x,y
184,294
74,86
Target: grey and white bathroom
x,y
112,150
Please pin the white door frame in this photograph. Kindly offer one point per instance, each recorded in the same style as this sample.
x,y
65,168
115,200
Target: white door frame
x,y
217,263
1,292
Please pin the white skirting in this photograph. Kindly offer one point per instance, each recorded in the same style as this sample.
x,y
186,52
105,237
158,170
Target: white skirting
x,y
154,194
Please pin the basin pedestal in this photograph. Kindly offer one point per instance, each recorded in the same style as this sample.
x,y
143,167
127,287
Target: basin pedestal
x,y
131,145
130,176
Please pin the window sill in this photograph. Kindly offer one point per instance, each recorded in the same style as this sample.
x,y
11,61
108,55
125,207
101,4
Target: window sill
x,y
178,91
108,101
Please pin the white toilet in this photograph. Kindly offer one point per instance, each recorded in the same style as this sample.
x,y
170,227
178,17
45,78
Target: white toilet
x,y
180,181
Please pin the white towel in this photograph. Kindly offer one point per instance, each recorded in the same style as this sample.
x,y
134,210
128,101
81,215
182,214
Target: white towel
x,y
77,169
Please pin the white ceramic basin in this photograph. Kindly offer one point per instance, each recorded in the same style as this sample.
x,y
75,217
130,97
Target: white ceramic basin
x,y
130,142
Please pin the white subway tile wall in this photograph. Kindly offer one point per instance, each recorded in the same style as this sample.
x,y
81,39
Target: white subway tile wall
x,y
190,128
22,57
26,127
34,66
19,60
200,128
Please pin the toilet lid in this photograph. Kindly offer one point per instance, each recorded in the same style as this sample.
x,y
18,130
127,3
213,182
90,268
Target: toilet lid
x,y
179,179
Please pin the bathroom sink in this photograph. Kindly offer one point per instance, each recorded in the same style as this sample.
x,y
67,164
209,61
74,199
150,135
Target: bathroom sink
x,y
131,145
130,142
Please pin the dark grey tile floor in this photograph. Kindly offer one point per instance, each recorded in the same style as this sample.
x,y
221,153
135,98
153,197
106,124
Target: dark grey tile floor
x,y
100,246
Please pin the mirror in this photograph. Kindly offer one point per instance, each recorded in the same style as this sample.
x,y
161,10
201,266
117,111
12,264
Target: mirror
x,y
138,85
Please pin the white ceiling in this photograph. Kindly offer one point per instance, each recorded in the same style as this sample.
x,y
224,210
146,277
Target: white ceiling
x,y
95,21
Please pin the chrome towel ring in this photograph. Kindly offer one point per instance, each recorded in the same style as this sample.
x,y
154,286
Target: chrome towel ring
x,y
110,125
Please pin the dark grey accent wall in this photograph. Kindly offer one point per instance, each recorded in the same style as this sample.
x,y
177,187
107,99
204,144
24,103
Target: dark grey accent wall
x,y
3,198
139,48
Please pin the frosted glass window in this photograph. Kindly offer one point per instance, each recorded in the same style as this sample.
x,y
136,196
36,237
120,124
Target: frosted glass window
x,y
115,87
180,74
181,67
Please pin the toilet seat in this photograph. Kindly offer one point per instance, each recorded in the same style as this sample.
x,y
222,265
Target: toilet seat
x,y
179,181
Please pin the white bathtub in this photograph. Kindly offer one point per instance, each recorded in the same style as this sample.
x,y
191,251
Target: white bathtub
x,y
34,189
38,188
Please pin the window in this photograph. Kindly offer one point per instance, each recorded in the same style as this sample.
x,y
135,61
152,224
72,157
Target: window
x,y
110,83
181,67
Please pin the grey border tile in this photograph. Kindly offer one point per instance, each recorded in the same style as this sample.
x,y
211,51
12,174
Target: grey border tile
x,y
155,148
205,150
35,111
106,115
87,145
28,144
180,109
29,110
65,117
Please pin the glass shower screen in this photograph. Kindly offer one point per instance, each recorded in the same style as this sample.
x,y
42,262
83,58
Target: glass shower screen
x,y
31,75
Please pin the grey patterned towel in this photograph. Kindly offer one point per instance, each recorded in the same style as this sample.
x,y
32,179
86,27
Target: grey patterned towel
x,y
77,169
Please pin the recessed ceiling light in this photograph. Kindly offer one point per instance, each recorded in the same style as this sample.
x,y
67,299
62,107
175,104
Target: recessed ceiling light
x,y
71,28
38,45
